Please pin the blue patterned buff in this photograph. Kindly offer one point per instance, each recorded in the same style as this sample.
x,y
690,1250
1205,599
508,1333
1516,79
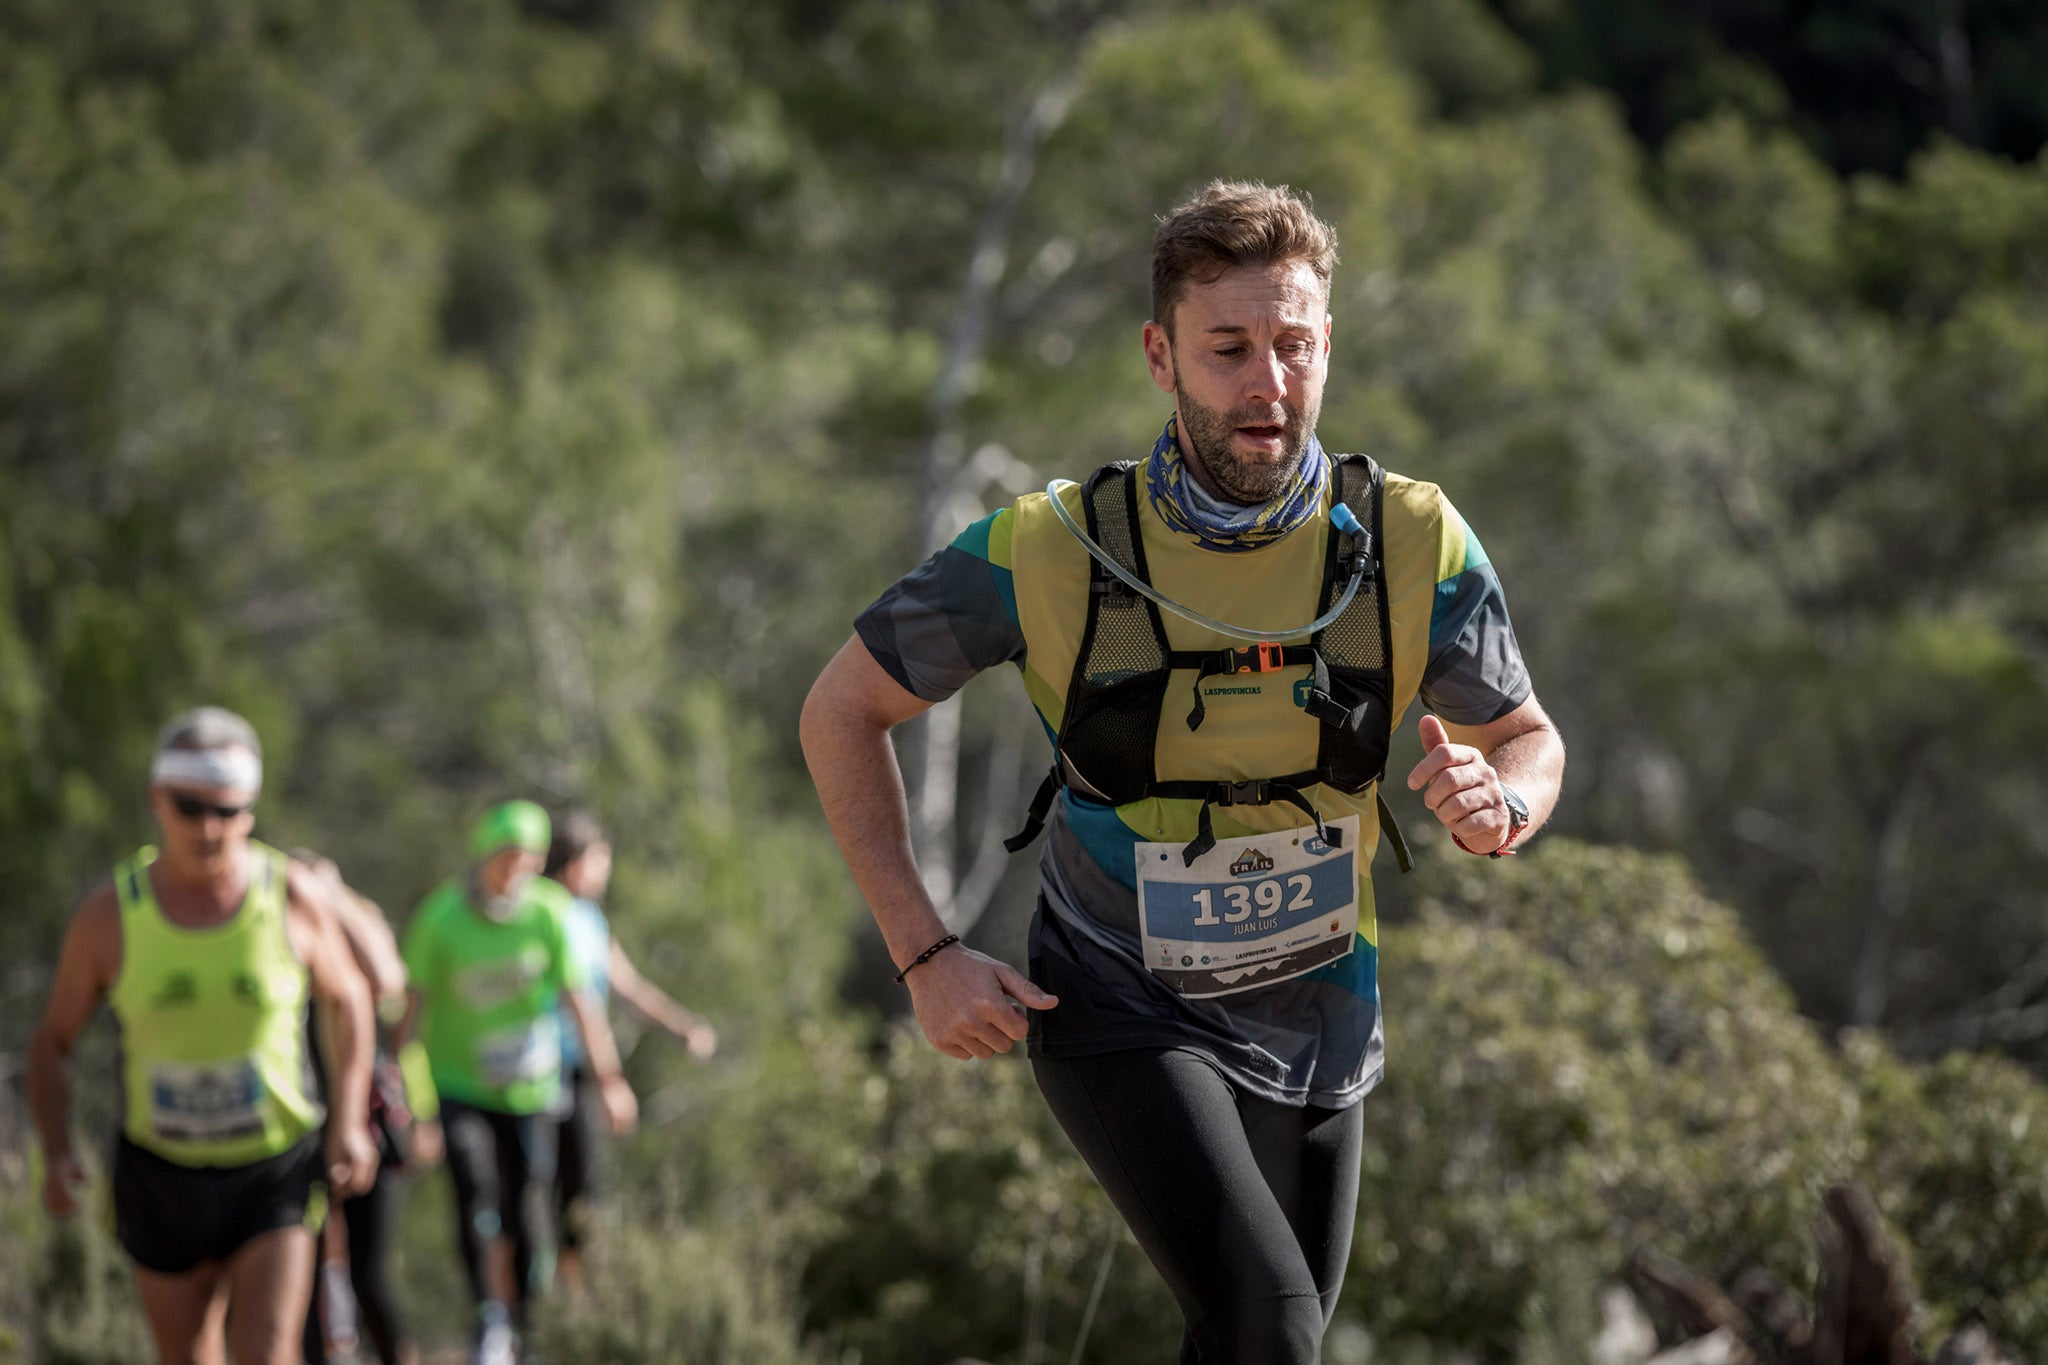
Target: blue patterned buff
x,y
1186,507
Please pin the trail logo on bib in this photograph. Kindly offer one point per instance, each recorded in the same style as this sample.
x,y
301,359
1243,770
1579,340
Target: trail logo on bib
x,y
1250,864
1250,911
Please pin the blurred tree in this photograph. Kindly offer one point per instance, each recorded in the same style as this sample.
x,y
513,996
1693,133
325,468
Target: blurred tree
x,y
1867,85
494,399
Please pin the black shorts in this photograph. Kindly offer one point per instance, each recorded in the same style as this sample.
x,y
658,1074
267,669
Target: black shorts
x,y
170,1218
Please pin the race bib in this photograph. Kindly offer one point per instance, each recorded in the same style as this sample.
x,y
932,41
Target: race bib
x,y
526,1053
1250,911
205,1101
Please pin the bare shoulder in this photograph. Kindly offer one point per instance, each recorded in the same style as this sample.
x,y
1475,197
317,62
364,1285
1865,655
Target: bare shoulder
x,y
91,956
96,923
309,908
320,882
308,890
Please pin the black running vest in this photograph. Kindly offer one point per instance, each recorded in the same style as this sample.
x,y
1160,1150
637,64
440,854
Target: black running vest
x,y
1124,667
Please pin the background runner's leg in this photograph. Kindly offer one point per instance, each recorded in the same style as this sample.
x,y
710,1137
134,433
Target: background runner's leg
x,y
526,1155
270,1280
370,1219
579,1150
187,1313
471,1153
321,1325
313,1336
1162,1132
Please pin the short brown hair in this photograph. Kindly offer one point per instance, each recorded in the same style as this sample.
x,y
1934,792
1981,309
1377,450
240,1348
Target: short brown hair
x,y
1232,223
572,836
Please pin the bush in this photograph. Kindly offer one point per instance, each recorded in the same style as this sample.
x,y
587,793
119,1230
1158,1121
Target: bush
x,y
66,1295
974,1229
1585,1055
1958,1161
666,1294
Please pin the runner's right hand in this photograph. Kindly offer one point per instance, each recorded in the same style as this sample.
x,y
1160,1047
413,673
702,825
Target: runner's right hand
x,y
621,1106
60,1185
351,1161
969,1003
701,1039
427,1144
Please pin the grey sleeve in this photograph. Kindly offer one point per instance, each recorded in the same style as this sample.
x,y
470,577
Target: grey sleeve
x,y
942,623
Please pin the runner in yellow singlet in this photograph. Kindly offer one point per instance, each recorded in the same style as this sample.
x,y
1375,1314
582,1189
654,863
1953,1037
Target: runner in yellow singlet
x,y
208,949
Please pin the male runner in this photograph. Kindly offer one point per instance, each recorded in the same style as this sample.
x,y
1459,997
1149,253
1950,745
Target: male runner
x,y
489,961
208,949
580,859
1221,636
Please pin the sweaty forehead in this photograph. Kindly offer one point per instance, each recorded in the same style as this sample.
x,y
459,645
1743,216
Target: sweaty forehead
x,y
1252,297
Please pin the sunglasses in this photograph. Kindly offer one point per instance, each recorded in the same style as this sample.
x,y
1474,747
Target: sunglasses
x,y
192,808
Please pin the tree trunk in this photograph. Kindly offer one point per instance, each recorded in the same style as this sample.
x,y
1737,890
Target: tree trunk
x,y
949,500
1889,895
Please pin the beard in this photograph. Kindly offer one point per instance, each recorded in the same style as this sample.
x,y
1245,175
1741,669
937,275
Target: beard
x,y
502,906
1247,481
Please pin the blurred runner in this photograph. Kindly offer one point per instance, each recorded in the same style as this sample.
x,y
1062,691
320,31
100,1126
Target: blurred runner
x,y
354,1292
208,949
580,858
490,964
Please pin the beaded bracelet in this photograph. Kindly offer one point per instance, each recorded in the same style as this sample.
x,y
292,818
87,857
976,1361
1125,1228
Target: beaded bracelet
x,y
927,955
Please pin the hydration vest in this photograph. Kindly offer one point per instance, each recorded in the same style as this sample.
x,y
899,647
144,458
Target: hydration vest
x,y
1124,668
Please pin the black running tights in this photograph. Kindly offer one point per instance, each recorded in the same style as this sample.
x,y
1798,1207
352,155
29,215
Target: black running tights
x,y
370,1218
1244,1206
503,1166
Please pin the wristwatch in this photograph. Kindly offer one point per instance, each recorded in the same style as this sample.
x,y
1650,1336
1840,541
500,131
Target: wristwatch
x,y
1518,820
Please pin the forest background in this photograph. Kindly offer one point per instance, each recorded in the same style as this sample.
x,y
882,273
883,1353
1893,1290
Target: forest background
x,y
496,399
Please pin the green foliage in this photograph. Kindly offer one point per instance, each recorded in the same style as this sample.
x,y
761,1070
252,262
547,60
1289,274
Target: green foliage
x,y
523,399
678,1296
1958,1160
1866,83
67,1295
1584,1057
971,1227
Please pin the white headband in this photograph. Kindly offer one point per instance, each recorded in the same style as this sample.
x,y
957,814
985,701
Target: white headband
x,y
233,769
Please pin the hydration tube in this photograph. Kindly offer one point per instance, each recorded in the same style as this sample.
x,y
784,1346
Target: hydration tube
x,y
1341,516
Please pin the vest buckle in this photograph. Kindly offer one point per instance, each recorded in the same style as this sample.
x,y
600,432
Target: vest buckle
x,y
1249,793
1258,658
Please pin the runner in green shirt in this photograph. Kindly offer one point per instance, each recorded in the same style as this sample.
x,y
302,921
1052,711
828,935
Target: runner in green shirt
x,y
489,962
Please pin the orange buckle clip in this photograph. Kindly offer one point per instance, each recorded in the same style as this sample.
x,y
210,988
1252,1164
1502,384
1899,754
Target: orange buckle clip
x,y
1258,658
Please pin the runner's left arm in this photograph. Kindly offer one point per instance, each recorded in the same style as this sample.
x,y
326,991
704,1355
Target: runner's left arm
x,y
339,985
603,1053
364,928
1464,767
690,1028
1485,729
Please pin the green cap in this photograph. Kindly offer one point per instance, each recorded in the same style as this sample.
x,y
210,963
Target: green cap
x,y
515,824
